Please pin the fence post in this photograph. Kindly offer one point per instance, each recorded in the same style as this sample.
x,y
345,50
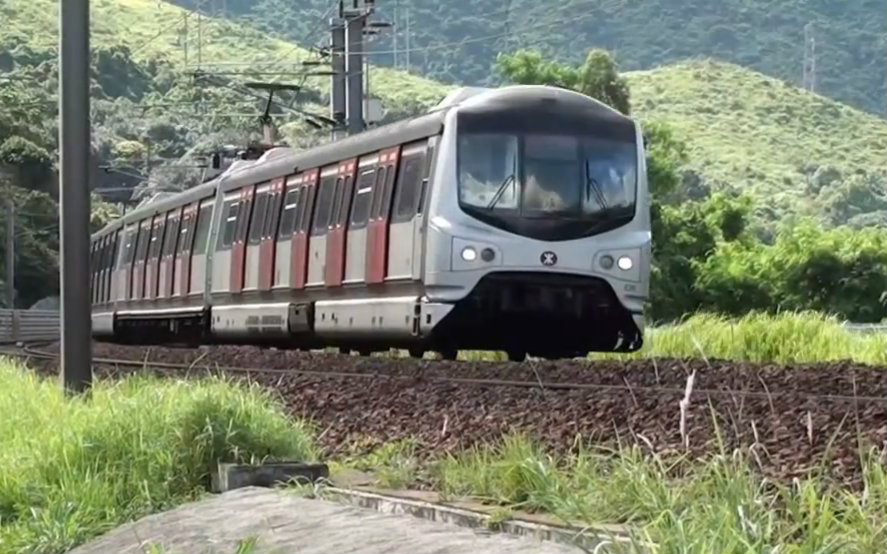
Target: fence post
x,y
15,325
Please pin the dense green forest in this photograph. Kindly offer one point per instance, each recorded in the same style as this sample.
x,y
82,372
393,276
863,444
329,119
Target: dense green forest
x,y
457,42
766,196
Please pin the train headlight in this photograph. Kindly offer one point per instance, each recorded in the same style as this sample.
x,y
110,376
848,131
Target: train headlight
x,y
624,263
606,261
469,254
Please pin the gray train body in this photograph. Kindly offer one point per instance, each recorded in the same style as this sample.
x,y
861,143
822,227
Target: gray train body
x,y
513,219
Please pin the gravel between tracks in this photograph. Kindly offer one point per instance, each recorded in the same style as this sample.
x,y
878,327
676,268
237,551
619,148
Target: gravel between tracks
x,y
791,430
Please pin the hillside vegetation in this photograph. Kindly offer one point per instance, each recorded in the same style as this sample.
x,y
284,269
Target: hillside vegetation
x,y
458,41
750,132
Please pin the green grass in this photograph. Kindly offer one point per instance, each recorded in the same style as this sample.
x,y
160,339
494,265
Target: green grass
x,y
758,133
787,337
74,468
720,505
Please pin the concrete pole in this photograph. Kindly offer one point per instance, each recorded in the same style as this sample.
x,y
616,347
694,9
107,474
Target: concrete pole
x,y
354,69
10,250
74,141
337,81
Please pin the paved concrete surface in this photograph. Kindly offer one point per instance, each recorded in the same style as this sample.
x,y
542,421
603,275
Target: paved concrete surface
x,y
280,522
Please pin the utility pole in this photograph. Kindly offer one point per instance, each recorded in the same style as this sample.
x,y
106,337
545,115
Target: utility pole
x,y
74,142
809,58
407,40
337,80
355,24
10,250
396,30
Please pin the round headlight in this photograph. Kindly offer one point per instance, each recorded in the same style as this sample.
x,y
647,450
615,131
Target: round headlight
x,y
606,261
469,254
487,254
624,263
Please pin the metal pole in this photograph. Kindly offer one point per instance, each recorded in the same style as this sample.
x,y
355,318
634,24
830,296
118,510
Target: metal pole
x,y
354,68
10,250
337,81
74,140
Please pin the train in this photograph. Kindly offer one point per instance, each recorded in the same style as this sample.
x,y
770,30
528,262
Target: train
x,y
511,219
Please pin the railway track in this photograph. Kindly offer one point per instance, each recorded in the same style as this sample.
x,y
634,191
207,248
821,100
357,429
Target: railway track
x,y
794,418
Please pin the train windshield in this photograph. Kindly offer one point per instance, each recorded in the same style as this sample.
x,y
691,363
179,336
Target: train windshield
x,y
547,186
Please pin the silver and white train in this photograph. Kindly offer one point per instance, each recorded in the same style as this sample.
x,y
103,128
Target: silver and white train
x,y
513,219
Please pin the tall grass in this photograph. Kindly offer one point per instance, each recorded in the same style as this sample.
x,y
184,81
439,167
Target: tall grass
x,y
72,468
721,506
785,337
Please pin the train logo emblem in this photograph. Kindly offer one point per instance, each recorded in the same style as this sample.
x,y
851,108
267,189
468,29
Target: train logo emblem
x,y
548,258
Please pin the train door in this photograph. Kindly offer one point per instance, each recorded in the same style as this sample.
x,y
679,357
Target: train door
x,y
123,273
356,248
152,266
268,242
238,247
298,267
253,241
404,248
221,267
380,212
335,242
182,269
320,226
168,254
202,227
141,254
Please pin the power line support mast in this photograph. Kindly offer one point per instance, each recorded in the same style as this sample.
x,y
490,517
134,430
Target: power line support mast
x,y
337,80
355,24
74,140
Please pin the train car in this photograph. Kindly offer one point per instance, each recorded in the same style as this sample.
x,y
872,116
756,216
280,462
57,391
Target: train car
x,y
512,219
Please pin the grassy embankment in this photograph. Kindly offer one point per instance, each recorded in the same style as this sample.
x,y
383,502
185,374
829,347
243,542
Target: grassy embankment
x,y
783,338
72,469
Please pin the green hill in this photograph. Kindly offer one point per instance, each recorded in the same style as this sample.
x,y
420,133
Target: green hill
x,y
457,41
753,132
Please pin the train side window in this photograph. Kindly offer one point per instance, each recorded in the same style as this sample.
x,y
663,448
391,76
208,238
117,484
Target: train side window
x,y
155,244
243,218
324,205
201,235
363,196
306,199
258,219
272,216
142,243
291,208
231,209
170,236
126,249
423,190
185,232
343,207
408,186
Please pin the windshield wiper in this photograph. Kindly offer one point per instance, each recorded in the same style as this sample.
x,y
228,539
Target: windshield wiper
x,y
499,191
591,183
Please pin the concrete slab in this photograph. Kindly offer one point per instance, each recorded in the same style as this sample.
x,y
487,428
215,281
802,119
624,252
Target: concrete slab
x,y
273,521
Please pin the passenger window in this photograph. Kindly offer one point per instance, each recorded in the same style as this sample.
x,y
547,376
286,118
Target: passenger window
x,y
170,236
142,244
156,236
243,217
185,233
291,208
272,215
128,248
201,235
344,204
324,205
363,195
408,186
307,197
258,219
231,209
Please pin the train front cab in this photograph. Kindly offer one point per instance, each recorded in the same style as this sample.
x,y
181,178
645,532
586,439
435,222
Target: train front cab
x,y
523,277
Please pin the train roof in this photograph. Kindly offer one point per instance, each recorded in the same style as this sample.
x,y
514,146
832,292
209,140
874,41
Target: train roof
x,y
285,161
